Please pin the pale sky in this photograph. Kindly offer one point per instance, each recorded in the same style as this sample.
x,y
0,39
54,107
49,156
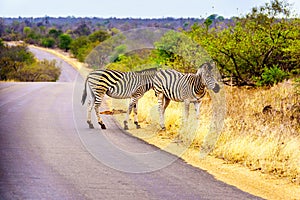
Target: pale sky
x,y
130,8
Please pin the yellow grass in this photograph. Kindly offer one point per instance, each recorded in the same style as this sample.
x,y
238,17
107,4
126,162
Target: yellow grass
x,y
268,143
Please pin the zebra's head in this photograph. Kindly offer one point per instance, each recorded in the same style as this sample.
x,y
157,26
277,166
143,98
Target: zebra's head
x,y
206,73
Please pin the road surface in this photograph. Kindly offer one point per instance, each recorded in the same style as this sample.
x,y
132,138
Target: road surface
x,y
48,152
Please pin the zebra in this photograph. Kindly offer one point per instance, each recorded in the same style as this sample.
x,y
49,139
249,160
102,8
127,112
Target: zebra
x,y
119,85
188,88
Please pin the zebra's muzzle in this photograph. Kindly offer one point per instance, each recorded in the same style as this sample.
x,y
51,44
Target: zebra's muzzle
x,y
216,89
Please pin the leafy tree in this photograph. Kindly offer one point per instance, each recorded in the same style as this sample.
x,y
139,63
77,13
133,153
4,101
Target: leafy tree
x,y
249,48
54,33
99,36
48,42
80,42
12,60
65,41
180,52
26,31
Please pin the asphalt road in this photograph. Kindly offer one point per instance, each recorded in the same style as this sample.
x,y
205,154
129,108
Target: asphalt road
x,y
48,152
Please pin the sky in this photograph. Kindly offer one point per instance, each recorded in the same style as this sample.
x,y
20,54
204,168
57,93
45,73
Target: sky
x,y
131,8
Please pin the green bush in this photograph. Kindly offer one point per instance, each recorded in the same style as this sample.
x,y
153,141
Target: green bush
x,y
41,71
48,42
16,63
271,76
65,41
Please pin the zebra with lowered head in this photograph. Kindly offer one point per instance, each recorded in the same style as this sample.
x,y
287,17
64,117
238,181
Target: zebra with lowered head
x,y
188,88
119,85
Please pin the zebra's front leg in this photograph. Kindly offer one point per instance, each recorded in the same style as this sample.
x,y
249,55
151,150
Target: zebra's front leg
x,y
132,104
100,122
197,105
186,111
163,103
135,114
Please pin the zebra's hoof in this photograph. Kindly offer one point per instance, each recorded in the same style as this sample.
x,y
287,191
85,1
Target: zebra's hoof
x,y
137,125
126,128
102,126
163,128
91,126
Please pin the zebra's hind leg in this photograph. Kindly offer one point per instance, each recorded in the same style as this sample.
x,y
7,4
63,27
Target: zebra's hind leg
x,y
100,122
125,125
102,125
89,110
91,126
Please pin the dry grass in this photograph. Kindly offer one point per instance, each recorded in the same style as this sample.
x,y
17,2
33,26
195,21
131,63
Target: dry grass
x,y
261,131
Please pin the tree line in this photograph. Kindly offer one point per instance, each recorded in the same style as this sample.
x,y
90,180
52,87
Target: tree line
x,y
260,48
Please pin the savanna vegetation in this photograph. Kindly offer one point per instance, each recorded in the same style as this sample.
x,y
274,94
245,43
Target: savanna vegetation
x,y
18,64
257,55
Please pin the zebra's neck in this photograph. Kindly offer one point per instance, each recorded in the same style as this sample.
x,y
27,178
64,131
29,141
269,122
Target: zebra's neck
x,y
199,89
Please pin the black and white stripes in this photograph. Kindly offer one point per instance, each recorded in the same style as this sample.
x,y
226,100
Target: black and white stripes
x,y
119,85
172,85
168,85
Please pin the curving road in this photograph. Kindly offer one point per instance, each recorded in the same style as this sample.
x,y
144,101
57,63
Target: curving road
x,y
47,151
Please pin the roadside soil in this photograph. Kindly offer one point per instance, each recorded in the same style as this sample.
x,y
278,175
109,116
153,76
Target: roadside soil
x,y
253,182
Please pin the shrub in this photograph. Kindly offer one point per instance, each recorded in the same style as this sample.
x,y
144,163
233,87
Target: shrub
x,y
41,71
48,42
271,76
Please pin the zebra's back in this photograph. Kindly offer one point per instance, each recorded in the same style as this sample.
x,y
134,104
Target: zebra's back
x,y
102,80
175,85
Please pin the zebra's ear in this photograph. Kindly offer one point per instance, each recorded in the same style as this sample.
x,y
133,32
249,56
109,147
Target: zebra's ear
x,y
199,71
203,68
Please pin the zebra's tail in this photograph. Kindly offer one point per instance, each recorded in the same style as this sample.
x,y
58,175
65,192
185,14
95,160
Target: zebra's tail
x,y
84,94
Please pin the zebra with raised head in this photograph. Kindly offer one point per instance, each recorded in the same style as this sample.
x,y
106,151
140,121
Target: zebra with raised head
x,y
188,88
119,85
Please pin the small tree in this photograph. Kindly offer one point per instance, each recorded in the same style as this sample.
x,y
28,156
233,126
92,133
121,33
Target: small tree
x,y
65,41
48,42
99,36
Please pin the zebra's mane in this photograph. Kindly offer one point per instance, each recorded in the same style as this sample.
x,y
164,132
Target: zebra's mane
x,y
146,70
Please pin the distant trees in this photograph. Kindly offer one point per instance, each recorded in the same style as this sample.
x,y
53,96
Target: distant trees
x,y
260,48
83,45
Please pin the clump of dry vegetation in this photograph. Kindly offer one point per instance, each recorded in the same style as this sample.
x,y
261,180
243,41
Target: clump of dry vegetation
x,y
261,128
